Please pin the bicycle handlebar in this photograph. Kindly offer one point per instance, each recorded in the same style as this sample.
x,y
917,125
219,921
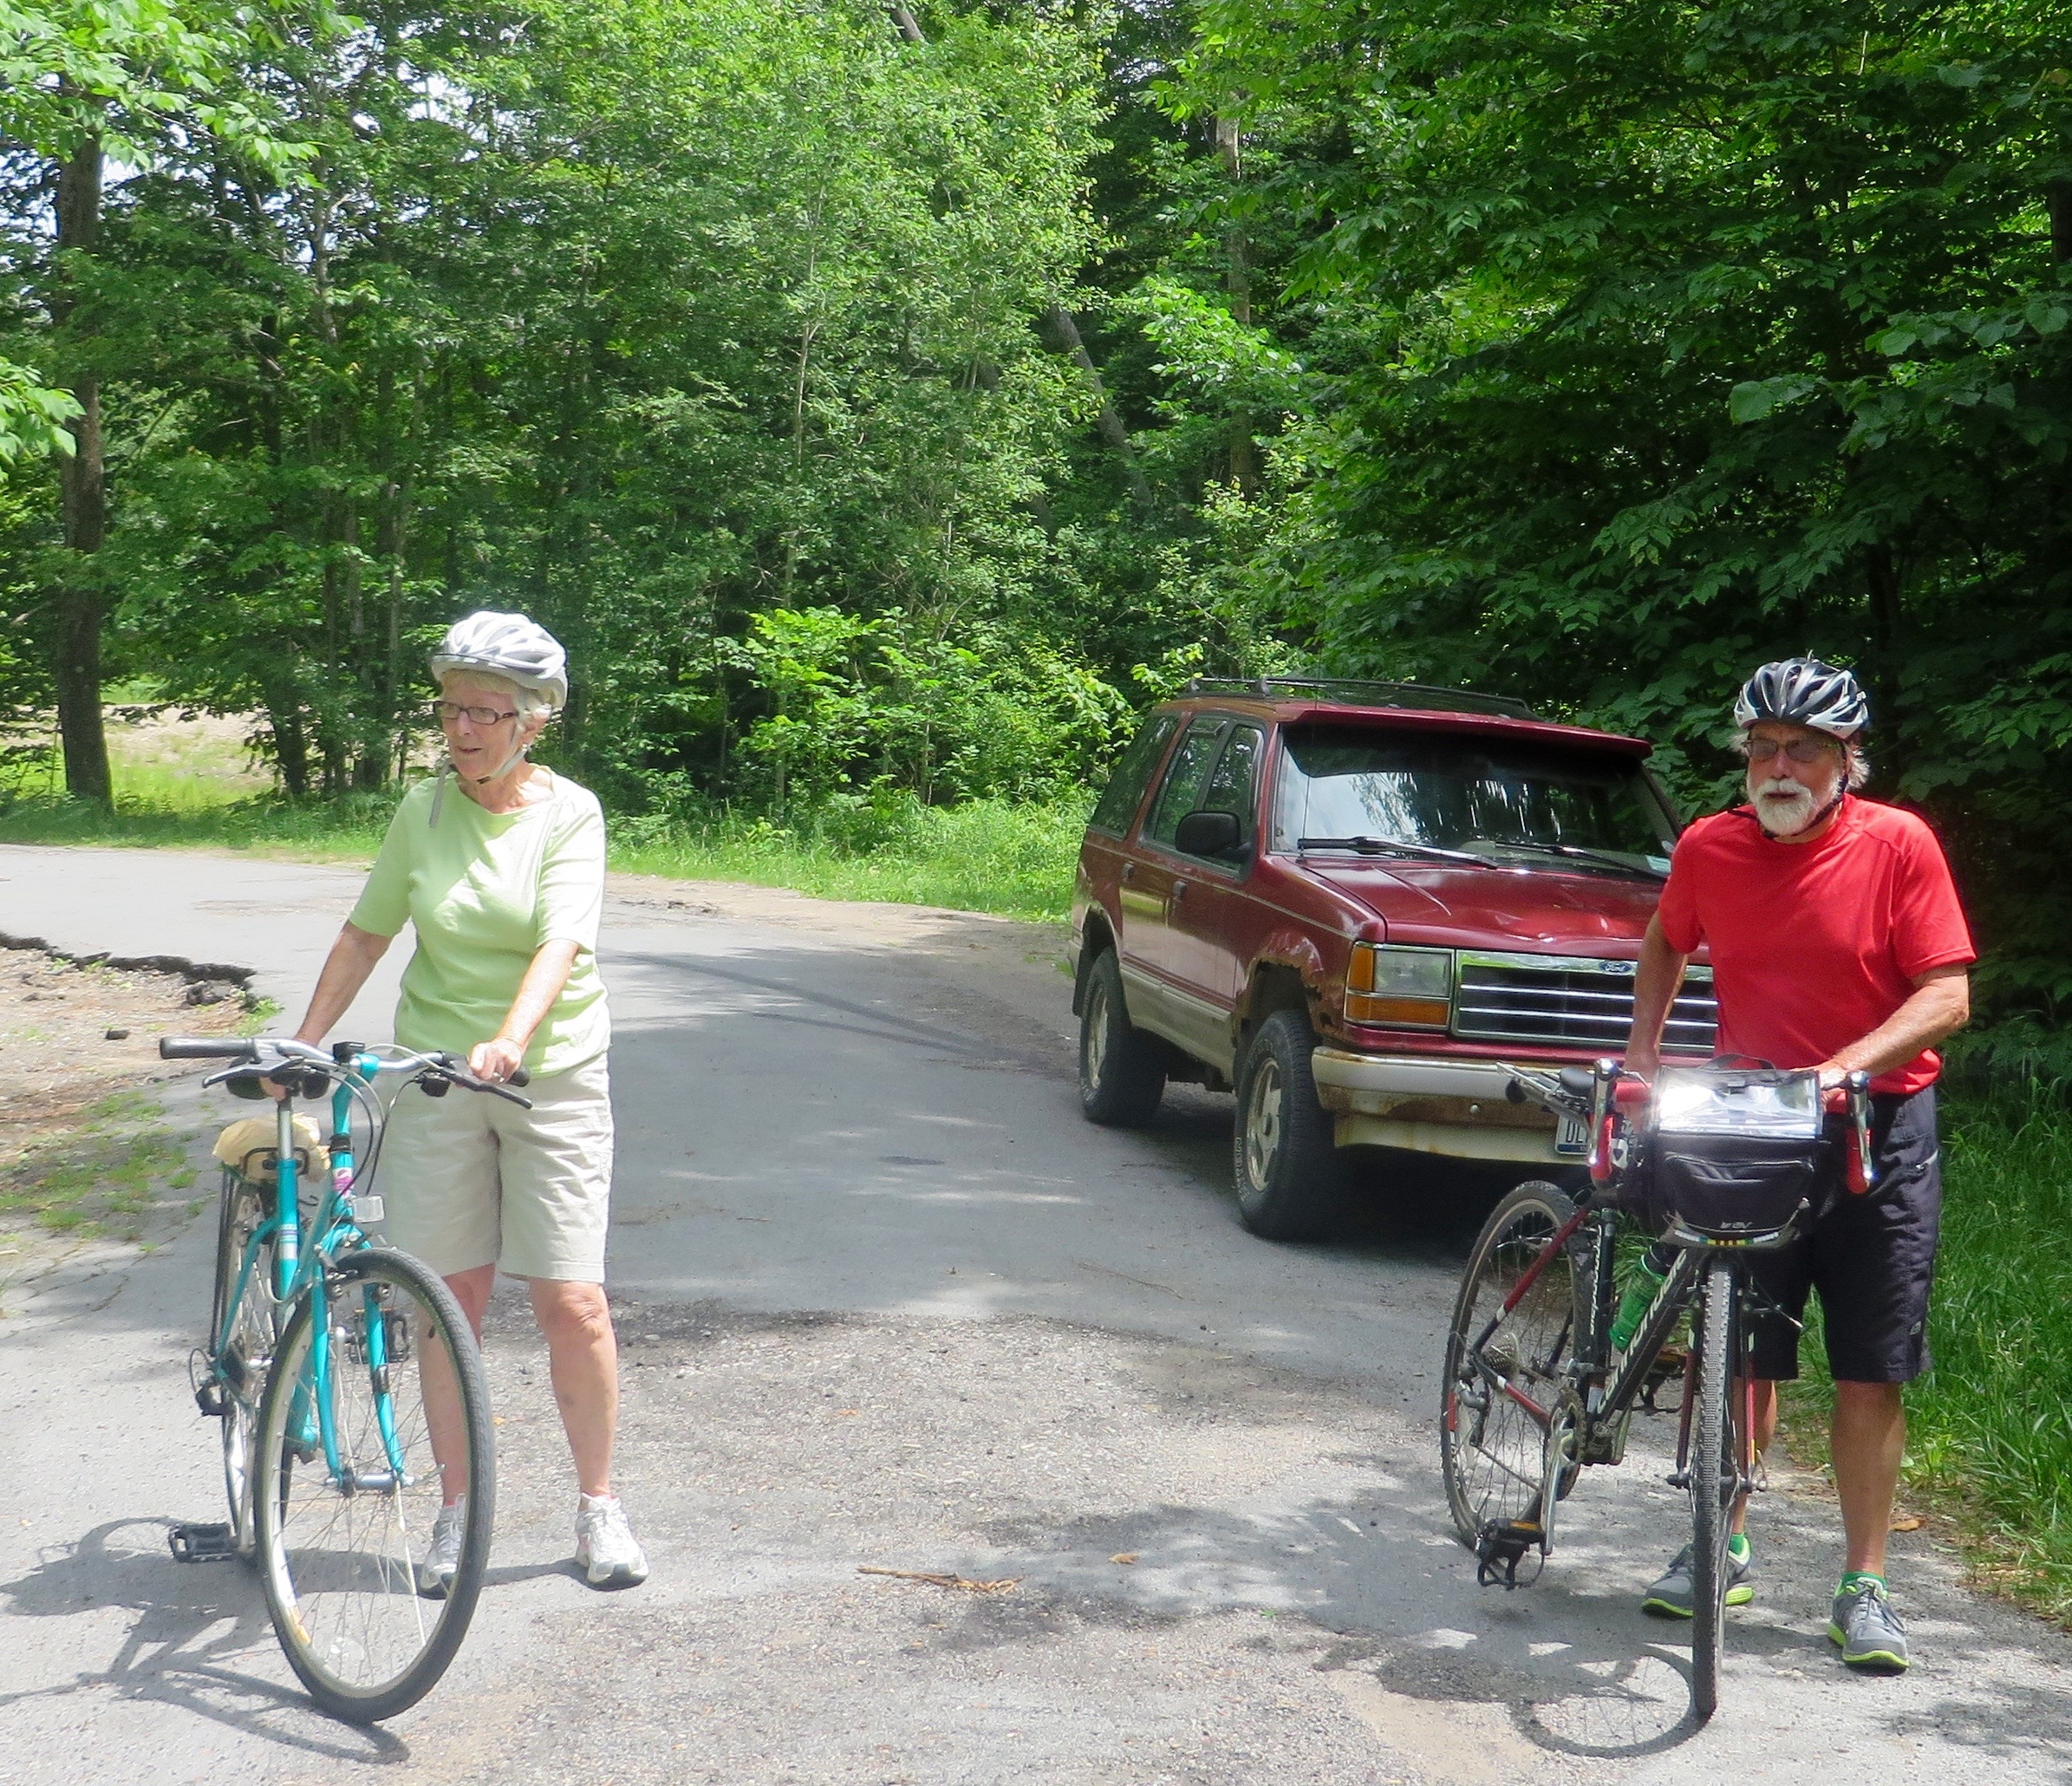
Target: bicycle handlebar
x,y
269,1053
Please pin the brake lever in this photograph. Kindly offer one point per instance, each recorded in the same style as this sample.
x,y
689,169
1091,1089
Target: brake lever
x,y
450,1071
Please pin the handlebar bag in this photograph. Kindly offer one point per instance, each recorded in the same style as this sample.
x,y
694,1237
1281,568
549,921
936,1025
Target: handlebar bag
x,y
1736,1154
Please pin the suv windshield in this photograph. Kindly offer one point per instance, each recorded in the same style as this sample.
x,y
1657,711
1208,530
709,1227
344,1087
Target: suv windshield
x,y
1489,799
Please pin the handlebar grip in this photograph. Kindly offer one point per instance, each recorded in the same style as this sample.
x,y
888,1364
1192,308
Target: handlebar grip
x,y
520,1078
207,1048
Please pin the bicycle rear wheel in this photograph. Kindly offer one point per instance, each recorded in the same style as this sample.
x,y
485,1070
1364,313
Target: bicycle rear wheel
x,y
1715,1467
376,1347
243,1326
1505,1370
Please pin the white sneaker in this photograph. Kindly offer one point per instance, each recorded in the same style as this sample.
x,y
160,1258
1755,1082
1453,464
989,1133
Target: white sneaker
x,y
442,1562
606,1549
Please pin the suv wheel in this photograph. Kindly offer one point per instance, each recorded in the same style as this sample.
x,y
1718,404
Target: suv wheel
x,y
1282,1154
1122,1070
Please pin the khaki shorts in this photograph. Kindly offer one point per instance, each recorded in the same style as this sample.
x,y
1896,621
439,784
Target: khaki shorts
x,y
468,1179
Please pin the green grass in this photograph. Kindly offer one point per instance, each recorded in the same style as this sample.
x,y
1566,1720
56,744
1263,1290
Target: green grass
x,y
102,1175
1989,1429
266,824
990,855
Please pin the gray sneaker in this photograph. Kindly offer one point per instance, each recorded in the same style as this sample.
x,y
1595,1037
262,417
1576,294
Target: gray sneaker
x,y
1674,1596
1868,1629
442,1561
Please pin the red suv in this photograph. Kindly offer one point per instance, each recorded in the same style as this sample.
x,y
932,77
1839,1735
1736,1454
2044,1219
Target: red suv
x,y
1350,902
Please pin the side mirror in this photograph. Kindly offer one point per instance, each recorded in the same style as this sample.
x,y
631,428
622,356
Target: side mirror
x,y
1209,834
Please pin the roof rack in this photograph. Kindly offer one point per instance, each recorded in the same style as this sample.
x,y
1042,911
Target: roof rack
x,y
1351,693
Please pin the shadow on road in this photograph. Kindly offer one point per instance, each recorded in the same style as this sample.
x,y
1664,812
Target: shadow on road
x,y
194,1629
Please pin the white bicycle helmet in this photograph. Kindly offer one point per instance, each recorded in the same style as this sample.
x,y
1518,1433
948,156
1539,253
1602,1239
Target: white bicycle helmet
x,y
506,645
1804,692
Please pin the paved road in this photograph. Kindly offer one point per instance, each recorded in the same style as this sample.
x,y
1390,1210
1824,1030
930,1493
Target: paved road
x,y
887,1301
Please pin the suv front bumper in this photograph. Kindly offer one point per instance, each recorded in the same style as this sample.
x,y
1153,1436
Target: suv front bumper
x,y
1431,1105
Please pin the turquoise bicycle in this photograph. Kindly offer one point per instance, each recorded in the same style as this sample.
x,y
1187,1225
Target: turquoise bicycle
x,y
349,1387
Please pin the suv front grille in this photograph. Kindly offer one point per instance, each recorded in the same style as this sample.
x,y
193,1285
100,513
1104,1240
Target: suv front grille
x,y
1570,1002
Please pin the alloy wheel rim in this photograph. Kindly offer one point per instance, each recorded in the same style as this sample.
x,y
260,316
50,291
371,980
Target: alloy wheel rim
x,y
1094,1056
1262,1124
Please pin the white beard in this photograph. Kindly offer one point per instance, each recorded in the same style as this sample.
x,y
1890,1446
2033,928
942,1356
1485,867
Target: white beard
x,y
1786,807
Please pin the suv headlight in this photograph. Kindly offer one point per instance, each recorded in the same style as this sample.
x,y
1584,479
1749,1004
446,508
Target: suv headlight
x,y
1408,988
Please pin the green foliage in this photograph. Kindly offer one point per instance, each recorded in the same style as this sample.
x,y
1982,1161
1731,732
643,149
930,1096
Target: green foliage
x,y
1647,345
1989,1434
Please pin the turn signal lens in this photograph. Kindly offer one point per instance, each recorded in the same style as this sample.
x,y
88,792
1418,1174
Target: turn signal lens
x,y
1407,988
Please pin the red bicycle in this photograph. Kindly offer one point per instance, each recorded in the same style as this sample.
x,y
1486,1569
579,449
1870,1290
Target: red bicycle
x,y
1713,1164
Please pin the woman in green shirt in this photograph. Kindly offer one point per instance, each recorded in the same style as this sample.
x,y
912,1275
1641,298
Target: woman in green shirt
x,y
499,865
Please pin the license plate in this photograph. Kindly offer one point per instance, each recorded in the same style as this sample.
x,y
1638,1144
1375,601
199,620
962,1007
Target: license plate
x,y
1572,1135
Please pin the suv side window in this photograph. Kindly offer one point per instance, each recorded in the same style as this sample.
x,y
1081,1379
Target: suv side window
x,y
1185,779
1124,791
1233,786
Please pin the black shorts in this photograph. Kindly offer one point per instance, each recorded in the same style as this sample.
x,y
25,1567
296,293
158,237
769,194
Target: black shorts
x,y
1871,1258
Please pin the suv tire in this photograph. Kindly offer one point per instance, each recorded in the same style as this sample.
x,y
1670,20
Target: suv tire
x,y
1122,1070
1283,1156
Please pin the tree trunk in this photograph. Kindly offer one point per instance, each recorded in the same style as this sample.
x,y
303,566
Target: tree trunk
x,y
80,607
1063,334
290,738
1883,579
2059,195
1237,280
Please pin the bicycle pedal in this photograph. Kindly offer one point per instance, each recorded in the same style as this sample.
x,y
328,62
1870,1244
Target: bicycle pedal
x,y
198,1543
1500,1547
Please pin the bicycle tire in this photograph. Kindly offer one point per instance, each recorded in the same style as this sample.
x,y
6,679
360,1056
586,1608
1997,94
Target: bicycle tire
x,y
340,1568
1715,1469
1492,1449
241,1343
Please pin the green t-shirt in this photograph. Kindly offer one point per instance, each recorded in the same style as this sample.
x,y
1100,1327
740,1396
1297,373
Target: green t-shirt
x,y
486,891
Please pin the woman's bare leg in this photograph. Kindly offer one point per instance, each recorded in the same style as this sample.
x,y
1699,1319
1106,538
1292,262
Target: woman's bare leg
x,y
583,1356
442,1394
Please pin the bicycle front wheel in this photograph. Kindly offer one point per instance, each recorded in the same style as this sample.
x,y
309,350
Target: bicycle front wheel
x,y
376,1357
1506,1368
1715,1467
244,1326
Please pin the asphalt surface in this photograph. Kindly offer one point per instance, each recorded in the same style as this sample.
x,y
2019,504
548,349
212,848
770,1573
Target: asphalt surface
x,y
886,1300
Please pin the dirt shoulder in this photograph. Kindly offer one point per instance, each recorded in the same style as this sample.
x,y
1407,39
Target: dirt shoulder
x,y
84,1152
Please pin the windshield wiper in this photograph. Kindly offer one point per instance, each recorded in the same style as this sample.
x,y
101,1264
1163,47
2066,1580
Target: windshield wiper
x,y
1599,858
1390,846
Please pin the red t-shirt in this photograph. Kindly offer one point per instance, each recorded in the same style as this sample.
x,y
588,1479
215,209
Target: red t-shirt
x,y
1814,945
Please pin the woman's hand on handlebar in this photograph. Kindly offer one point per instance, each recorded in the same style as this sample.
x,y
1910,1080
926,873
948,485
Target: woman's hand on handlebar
x,y
495,1060
273,1088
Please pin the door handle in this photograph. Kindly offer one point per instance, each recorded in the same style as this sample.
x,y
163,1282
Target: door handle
x,y
1128,870
1179,888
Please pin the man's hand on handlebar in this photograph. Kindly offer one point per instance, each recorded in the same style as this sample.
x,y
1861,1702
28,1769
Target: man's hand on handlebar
x,y
1644,1063
495,1060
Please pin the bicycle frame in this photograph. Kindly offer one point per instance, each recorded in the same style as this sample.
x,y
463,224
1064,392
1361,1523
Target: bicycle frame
x,y
300,1271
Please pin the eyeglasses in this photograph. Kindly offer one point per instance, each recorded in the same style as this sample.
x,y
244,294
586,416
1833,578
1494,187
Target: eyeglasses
x,y
1800,750
448,713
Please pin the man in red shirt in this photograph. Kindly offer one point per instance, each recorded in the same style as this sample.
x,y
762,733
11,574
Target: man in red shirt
x,y
1837,943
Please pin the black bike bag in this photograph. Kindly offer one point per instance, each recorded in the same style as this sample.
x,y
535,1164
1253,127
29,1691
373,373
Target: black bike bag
x,y
1736,1155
